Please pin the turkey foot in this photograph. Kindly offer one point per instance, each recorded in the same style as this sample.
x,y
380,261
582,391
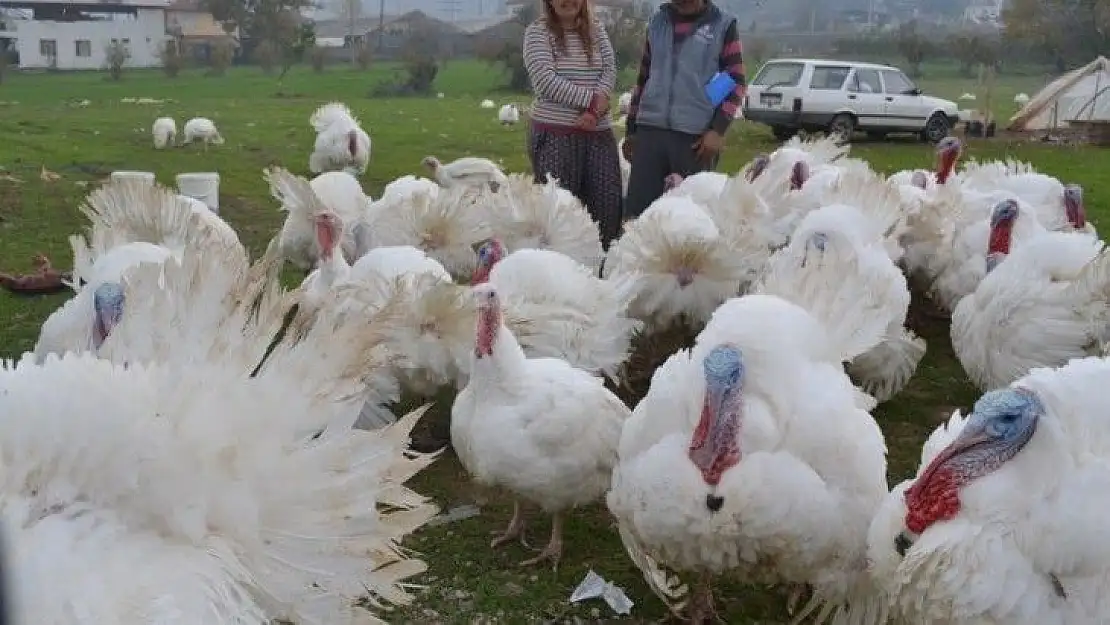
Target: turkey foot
x,y
796,592
514,531
701,609
554,549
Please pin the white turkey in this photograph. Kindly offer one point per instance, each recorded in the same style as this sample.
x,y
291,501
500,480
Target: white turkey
x,y
341,143
164,131
951,239
863,215
508,115
466,171
540,428
339,191
1058,206
442,222
1021,99
131,223
685,267
257,500
487,104
573,315
202,129
702,187
753,455
524,215
1041,305
1004,522
624,102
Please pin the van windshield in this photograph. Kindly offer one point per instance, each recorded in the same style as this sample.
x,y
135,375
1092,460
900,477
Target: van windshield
x,y
779,74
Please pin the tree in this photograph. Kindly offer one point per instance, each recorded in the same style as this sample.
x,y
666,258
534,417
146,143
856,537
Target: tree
x,y
972,49
1067,32
912,46
349,11
276,21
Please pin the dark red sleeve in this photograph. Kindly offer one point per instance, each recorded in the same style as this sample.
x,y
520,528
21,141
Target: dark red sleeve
x,y
731,61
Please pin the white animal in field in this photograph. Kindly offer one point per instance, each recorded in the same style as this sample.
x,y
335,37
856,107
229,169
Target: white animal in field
x,y
625,102
164,131
341,143
204,130
487,104
509,115
1021,99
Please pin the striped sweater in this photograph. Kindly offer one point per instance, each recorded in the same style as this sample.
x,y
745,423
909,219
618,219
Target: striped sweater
x,y
567,84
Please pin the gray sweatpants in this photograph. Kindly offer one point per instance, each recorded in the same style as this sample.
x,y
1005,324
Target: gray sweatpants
x,y
657,153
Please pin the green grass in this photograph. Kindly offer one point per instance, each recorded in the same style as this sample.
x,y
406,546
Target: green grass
x,y
468,582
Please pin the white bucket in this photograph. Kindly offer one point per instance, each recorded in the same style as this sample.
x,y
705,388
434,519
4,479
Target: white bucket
x,y
144,176
203,186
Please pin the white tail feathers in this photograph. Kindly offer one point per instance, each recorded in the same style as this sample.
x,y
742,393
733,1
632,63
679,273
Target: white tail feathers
x,y
822,274
331,114
294,192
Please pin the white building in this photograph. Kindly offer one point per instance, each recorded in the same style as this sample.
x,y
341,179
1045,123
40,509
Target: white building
x,y
50,34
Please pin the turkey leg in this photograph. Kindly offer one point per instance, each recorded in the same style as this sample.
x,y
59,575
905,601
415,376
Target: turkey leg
x,y
554,549
701,608
514,531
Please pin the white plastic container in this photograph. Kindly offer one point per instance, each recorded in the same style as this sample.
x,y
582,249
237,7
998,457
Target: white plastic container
x,y
144,176
203,186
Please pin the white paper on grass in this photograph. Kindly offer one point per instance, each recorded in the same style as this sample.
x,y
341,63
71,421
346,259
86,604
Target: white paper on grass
x,y
594,586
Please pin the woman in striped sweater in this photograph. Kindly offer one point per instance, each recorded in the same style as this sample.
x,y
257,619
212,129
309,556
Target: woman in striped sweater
x,y
573,71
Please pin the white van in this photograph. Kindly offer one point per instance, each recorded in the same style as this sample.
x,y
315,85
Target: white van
x,y
842,97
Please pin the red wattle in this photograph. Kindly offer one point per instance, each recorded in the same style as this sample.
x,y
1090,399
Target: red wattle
x,y
999,242
933,498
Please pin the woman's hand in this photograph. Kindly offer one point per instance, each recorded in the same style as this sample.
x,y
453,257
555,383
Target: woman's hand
x,y
586,121
601,103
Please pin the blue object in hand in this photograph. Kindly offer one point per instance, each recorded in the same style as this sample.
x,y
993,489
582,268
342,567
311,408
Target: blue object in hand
x,y
719,87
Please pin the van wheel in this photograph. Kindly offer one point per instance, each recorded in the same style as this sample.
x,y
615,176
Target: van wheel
x,y
843,125
782,133
936,128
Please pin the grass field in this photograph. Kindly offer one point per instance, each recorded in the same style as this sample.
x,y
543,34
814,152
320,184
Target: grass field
x,y
41,125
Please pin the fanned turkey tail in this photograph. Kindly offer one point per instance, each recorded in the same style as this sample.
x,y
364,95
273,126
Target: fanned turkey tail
x,y
822,274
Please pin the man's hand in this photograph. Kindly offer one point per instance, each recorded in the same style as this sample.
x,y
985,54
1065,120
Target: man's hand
x,y
586,121
626,147
708,146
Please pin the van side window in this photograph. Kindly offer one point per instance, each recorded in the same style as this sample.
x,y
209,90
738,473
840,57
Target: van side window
x,y
865,81
829,77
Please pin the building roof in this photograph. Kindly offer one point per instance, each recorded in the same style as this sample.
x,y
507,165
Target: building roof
x,y
109,6
616,4
339,28
478,24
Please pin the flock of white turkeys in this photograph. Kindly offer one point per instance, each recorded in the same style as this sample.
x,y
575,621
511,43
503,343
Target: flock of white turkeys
x,y
220,479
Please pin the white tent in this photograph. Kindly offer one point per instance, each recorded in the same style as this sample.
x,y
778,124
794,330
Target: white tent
x,y
1080,95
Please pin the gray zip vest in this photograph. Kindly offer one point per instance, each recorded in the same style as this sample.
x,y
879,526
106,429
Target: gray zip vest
x,y
674,96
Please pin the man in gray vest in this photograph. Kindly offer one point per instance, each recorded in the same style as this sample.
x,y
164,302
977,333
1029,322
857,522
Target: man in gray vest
x,y
673,126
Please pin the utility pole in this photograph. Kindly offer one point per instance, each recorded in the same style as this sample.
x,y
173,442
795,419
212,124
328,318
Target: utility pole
x,y
381,25
451,7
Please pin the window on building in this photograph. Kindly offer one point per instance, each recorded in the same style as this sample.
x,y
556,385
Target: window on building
x,y
830,77
48,48
83,48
